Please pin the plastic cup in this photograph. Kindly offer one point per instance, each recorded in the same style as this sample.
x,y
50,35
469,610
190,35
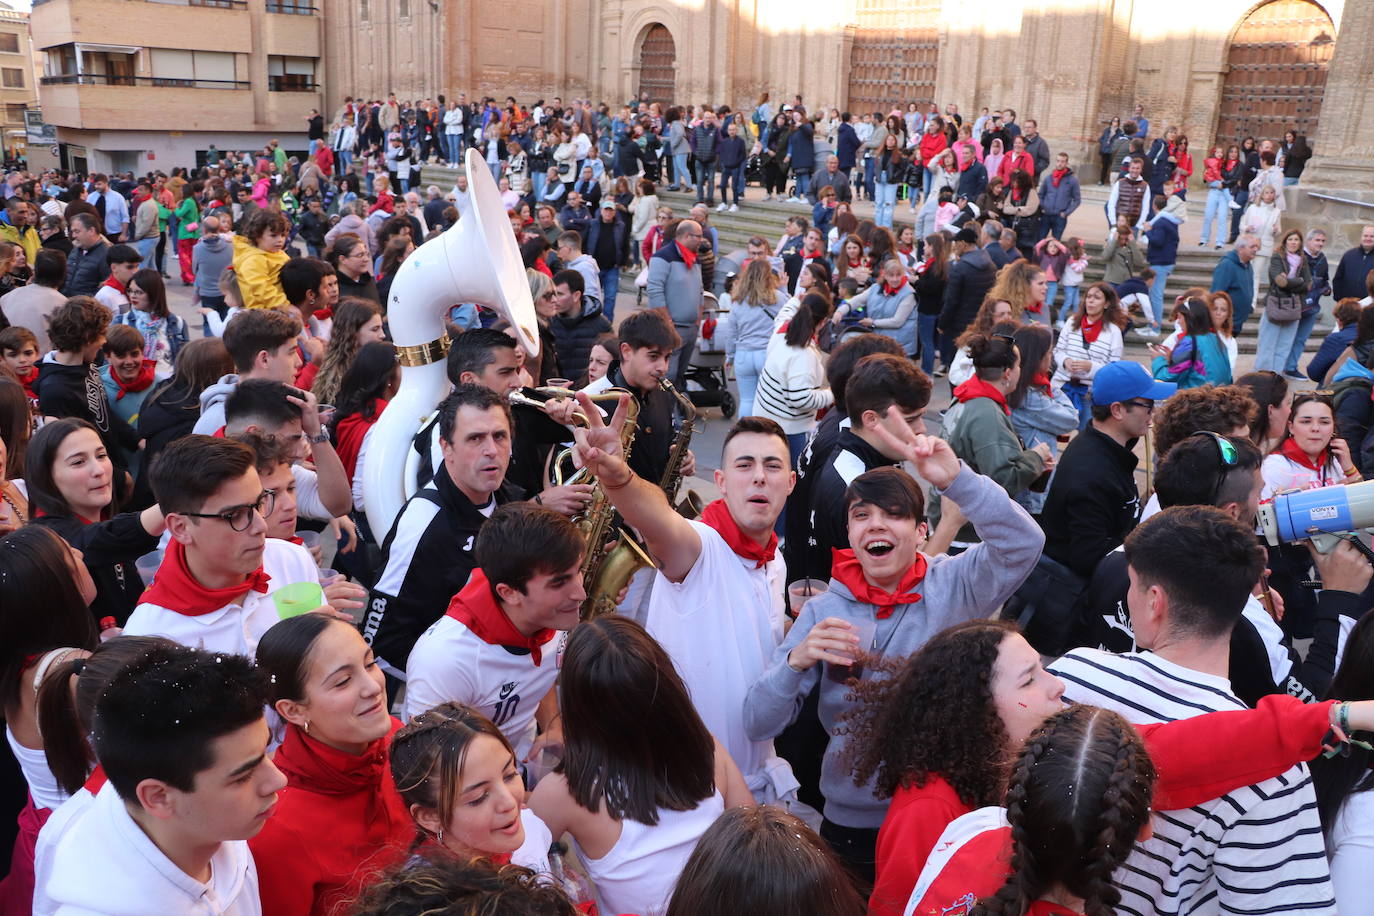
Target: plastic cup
x,y
541,765
297,598
329,576
558,382
147,566
803,590
866,629
309,539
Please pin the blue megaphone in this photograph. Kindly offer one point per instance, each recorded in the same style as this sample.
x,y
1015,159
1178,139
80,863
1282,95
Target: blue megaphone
x,y
1318,515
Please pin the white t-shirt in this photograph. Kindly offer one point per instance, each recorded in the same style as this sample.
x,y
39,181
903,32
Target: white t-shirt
x,y
1258,848
308,502
720,626
1351,844
1280,473
235,627
112,299
452,663
103,863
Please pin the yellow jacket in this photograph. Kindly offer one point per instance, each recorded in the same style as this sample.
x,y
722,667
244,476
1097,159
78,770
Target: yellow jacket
x,y
257,272
25,238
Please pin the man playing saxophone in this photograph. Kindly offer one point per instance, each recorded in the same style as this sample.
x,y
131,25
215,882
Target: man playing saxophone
x,y
717,600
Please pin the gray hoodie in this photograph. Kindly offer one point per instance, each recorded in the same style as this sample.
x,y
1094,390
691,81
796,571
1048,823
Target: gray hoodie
x,y
209,257
748,327
212,405
955,589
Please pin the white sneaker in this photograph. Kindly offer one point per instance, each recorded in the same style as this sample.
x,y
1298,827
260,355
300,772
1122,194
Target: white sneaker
x,y
734,208
767,197
794,200
1234,205
720,207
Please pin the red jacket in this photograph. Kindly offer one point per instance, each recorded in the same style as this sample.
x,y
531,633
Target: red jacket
x,y
338,822
932,145
1013,161
1197,760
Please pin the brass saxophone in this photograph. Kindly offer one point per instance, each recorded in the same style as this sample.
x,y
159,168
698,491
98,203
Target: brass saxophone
x,y
604,572
690,506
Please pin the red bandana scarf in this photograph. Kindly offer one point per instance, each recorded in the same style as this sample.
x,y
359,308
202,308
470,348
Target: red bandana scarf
x,y
26,378
1042,381
892,290
140,382
176,589
1294,453
1091,330
688,257
475,607
717,515
977,388
1058,175
846,570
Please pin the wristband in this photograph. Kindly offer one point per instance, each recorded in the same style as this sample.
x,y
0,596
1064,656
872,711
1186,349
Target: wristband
x,y
619,486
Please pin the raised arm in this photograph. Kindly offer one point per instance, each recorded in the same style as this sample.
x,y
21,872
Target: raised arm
x,y
671,539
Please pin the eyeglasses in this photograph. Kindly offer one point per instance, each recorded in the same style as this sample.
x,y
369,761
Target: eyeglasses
x,y
1226,451
1320,395
240,517
1139,402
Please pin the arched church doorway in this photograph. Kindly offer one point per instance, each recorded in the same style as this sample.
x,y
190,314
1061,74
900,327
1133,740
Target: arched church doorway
x,y
657,60
895,54
1276,71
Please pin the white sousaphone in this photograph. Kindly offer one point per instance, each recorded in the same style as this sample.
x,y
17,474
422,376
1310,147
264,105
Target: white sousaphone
x,y
475,261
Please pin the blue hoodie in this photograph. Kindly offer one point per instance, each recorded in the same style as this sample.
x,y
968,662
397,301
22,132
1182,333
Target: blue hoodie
x,y
1163,240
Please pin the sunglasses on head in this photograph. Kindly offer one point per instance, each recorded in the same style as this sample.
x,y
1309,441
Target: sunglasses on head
x,y
1227,454
1320,395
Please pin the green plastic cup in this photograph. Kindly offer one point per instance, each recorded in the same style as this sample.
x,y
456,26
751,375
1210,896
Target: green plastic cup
x,y
297,598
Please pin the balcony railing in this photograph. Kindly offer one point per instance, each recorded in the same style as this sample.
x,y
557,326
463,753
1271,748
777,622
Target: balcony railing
x,y
292,83
290,8
218,4
106,79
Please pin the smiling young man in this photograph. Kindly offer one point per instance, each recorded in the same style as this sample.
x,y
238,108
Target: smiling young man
x,y
428,554
262,343
498,647
214,589
717,601
886,589
181,737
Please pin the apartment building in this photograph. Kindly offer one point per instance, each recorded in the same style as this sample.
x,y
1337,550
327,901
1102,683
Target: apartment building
x,y
152,84
18,89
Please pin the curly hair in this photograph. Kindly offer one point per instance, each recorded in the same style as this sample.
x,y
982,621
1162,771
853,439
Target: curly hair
x,y
934,718
1078,797
1014,284
983,322
350,316
77,323
446,884
1222,409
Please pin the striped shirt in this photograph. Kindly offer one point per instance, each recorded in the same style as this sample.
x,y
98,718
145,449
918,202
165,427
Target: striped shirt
x,y
1257,850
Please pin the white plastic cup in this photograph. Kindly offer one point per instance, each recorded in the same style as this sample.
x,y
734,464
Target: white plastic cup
x,y
147,566
803,590
866,629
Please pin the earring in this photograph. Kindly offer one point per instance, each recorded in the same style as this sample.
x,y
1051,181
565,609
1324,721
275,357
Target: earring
x,y
441,836
307,726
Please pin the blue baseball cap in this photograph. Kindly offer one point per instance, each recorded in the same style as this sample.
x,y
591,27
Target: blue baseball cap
x,y
1124,380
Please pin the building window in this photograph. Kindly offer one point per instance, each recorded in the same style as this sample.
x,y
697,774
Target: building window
x,y
364,10
403,9
193,69
291,74
14,113
9,43
291,7
12,77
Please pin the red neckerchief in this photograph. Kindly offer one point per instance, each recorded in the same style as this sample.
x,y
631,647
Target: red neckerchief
x,y
977,388
140,383
892,290
717,515
1231,163
176,589
323,314
26,378
845,569
1041,380
1058,175
115,285
688,257
855,264
1294,453
476,608
1091,329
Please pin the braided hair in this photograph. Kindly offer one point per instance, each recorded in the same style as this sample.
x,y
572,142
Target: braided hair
x,y
1078,798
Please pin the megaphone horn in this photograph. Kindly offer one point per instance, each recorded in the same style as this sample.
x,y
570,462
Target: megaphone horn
x,y
475,261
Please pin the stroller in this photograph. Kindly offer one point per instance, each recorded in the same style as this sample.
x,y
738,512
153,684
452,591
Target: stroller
x,y
707,385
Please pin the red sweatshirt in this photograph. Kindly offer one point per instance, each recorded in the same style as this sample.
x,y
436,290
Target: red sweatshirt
x,y
1197,759
338,822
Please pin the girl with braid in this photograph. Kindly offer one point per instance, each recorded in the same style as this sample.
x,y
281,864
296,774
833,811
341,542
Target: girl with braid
x,y
976,693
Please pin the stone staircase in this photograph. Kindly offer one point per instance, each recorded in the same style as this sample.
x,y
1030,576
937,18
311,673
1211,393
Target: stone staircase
x,y
1195,263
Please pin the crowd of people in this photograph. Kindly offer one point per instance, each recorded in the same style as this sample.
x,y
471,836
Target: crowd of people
x,y
886,671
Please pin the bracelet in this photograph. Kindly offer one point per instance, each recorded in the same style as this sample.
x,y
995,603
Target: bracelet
x,y
1343,717
619,486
